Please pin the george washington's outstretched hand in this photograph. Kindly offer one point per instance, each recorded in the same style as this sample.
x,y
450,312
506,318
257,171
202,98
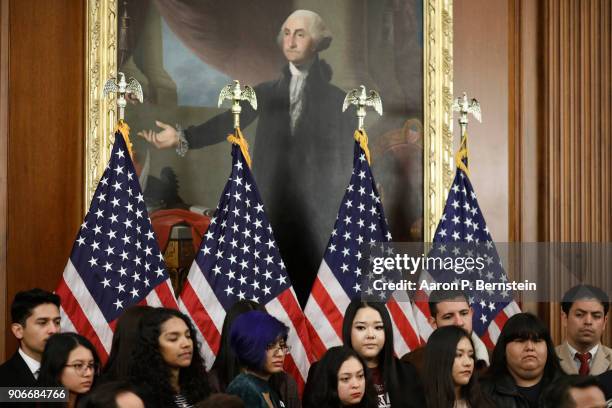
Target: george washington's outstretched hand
x,y
167,137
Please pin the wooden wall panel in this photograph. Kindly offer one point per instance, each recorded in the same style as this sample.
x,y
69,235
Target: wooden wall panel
x,y
577,136
480,68
4,41
45,141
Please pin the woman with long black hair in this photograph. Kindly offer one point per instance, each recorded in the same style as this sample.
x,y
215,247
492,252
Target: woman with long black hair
x,y
367,329
69,361
524,363
167,360
125,337
340,379
450,380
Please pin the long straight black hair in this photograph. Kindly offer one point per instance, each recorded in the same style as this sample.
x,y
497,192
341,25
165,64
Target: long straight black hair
x,y
387,362
126,333
440,354
524,326
226,364
321,390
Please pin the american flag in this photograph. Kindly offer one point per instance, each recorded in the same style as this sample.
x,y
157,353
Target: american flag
x,y
463,232
360,222
115,261
239,259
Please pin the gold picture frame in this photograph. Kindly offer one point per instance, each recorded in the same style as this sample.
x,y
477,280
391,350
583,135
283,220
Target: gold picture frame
x,y
437,99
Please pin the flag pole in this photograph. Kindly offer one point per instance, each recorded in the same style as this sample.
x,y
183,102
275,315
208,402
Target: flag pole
x,y
120,88
464,107
361,99
234,93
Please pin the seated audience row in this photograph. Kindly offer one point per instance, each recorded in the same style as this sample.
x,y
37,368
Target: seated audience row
x,y
155,360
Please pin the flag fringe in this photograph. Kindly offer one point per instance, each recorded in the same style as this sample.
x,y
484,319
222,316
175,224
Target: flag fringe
x,y
124,128
239,140
461,154
361,138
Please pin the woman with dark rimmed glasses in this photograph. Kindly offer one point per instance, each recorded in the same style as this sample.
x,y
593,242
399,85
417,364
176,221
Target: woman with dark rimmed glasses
x,y
226,366
260,343
69,361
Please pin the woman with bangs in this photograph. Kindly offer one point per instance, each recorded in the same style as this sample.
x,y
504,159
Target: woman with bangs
x,y
367,329
69,361
166,360
524,363
259,341
450,379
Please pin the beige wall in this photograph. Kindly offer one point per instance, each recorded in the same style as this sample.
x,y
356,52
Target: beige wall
x,y
481,69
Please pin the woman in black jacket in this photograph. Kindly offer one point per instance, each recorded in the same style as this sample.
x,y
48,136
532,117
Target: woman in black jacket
x,y
524,364
367,329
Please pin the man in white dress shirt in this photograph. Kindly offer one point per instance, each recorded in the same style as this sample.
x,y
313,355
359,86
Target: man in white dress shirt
x,y
35,317
585,315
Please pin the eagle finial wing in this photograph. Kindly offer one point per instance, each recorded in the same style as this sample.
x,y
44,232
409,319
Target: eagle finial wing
x,y
110,86
134,88
352,97
248,94
226,93
475,110
374,101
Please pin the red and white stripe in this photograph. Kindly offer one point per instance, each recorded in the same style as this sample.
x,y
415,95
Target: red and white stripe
x,y
80,312
198,301
325,312
421,309
492,334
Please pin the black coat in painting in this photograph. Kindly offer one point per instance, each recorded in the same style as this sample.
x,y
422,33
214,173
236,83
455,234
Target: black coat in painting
x,y
301,176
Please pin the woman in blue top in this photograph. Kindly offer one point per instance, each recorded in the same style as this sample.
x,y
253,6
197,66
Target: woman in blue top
x,y
260,343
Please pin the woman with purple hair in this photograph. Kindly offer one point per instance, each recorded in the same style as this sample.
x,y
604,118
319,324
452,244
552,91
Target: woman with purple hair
x,y
260,343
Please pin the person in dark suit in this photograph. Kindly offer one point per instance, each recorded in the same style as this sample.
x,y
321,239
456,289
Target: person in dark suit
x,y
35,317
524,364
574,391
302,156
605,380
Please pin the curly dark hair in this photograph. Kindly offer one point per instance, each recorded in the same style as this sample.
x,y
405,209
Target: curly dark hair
x,y
148,366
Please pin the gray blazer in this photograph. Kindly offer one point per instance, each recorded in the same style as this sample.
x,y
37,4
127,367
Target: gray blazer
x,y
602,361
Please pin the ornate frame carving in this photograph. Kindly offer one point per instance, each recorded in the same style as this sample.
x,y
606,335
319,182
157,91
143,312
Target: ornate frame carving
x,y
438,93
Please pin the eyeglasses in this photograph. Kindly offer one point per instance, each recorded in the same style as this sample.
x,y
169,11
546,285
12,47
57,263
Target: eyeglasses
x,y
278,347
82,368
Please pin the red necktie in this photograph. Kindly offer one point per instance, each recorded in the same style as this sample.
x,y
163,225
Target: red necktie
x,y
584,359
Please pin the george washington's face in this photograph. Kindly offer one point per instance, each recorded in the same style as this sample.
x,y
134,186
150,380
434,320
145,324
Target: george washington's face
x,y
298,45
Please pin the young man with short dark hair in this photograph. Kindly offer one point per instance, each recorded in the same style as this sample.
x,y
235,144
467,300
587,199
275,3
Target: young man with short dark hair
x,y
35,317
584,316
